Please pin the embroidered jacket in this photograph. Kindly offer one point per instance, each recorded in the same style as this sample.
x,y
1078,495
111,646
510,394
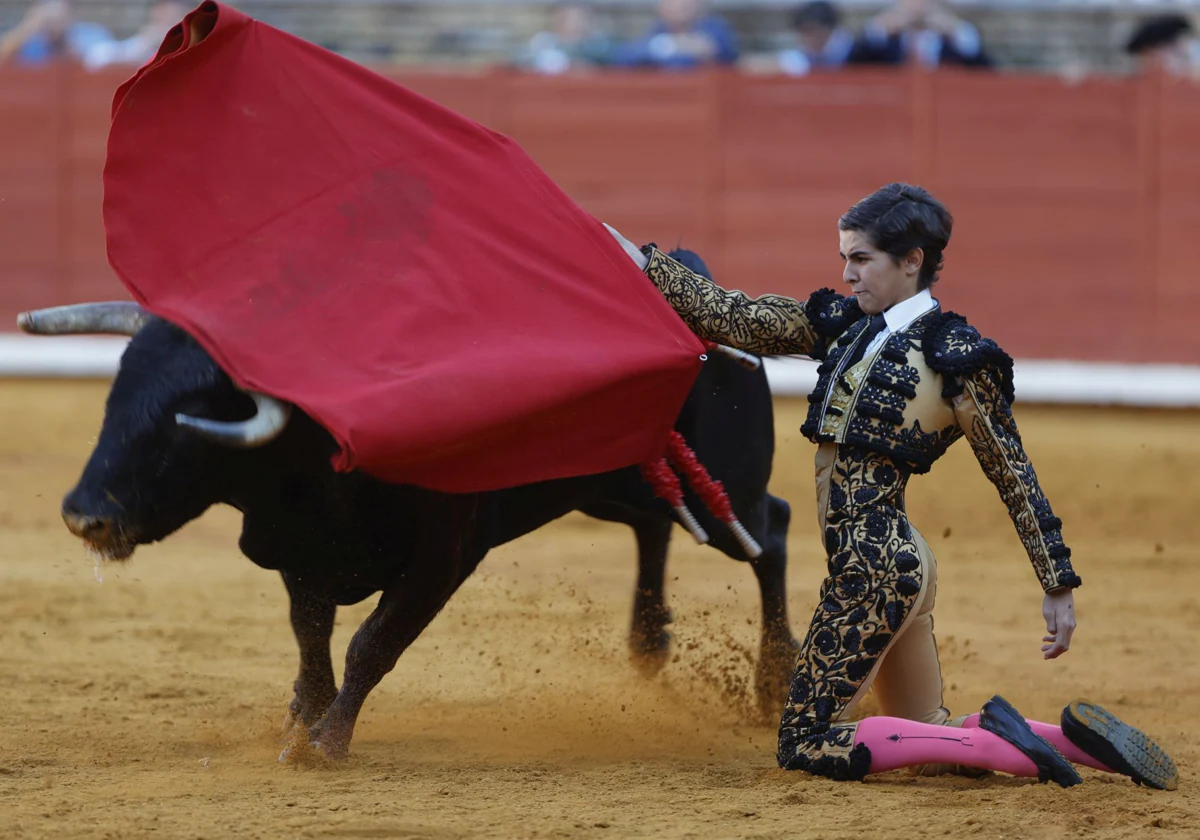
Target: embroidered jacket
x,y
910,398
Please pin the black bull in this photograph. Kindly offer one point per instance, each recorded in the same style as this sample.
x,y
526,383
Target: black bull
x,y
340,538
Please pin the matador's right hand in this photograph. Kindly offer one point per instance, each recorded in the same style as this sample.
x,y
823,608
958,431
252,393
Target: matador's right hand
x,y
1058,608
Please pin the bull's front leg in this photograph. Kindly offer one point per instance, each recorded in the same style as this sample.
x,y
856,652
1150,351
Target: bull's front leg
x,y
399,618
440,561
312,623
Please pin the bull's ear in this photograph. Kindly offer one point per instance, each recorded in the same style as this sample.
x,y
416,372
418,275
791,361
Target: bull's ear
x,y
117,317
267,424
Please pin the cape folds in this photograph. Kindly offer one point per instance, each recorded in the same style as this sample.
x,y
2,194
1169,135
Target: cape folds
x,y
407,277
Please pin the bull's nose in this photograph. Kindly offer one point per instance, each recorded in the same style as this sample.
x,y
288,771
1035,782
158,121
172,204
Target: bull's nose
x,y
91,528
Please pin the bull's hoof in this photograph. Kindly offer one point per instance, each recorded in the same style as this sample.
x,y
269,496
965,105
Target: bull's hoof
x,y
773,676
307,747
290,720
301,752
649,641
330,740
332,750
650,657
310,754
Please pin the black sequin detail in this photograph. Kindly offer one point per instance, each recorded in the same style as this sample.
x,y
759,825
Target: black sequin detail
x,y
880,405
955,349
993,436
874,580
831,315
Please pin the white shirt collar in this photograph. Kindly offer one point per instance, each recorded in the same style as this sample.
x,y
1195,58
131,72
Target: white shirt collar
x,y
906,311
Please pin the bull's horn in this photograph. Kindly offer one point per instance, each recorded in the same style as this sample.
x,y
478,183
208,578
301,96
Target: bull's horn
x,y
266,425
118,317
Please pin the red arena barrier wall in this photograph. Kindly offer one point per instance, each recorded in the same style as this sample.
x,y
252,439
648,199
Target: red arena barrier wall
x,y
1072,202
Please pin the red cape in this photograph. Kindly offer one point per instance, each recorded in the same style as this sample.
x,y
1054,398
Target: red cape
x,y
409,278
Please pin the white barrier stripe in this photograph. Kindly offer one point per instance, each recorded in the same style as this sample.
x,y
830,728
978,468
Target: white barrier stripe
x,y
1037,380
73,356
1051,381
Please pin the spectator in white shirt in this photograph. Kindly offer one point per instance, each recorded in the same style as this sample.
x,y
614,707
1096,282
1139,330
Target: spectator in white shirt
x,y
143,44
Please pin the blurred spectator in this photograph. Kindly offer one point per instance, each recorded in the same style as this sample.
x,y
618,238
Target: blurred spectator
x,y
143,44
50,31
924,31
683,36
573,41
1165,44
821,40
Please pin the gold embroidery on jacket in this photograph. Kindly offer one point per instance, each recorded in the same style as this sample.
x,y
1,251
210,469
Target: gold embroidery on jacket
x,y
987,420
890,403
768,325
842,399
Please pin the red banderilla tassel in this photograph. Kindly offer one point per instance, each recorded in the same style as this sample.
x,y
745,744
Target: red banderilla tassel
x,y
665,484
710,491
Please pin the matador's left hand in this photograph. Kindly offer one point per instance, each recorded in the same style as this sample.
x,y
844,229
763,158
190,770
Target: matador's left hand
x,y
1058,608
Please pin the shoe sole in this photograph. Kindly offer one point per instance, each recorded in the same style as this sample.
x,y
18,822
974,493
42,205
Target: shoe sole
x,y
1123,748
1058,770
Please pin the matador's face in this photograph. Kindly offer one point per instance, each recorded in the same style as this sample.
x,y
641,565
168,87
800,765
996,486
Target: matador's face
x,y
877,279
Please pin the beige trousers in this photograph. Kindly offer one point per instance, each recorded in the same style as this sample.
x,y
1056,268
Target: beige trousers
x,y
907,679
873,624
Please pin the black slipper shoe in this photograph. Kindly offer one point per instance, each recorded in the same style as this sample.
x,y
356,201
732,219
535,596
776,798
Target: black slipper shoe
x,y
1000,718
1111,741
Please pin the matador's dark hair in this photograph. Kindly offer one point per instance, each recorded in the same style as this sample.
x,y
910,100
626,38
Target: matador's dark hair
x,y
900,217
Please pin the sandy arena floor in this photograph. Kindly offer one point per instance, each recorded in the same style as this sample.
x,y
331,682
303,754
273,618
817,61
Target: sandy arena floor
x,y
150,704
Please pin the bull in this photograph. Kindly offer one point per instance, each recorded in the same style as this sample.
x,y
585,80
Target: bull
x,y
179,437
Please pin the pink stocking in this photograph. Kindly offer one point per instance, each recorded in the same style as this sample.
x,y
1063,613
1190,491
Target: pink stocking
x,y
896,743
1055,736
